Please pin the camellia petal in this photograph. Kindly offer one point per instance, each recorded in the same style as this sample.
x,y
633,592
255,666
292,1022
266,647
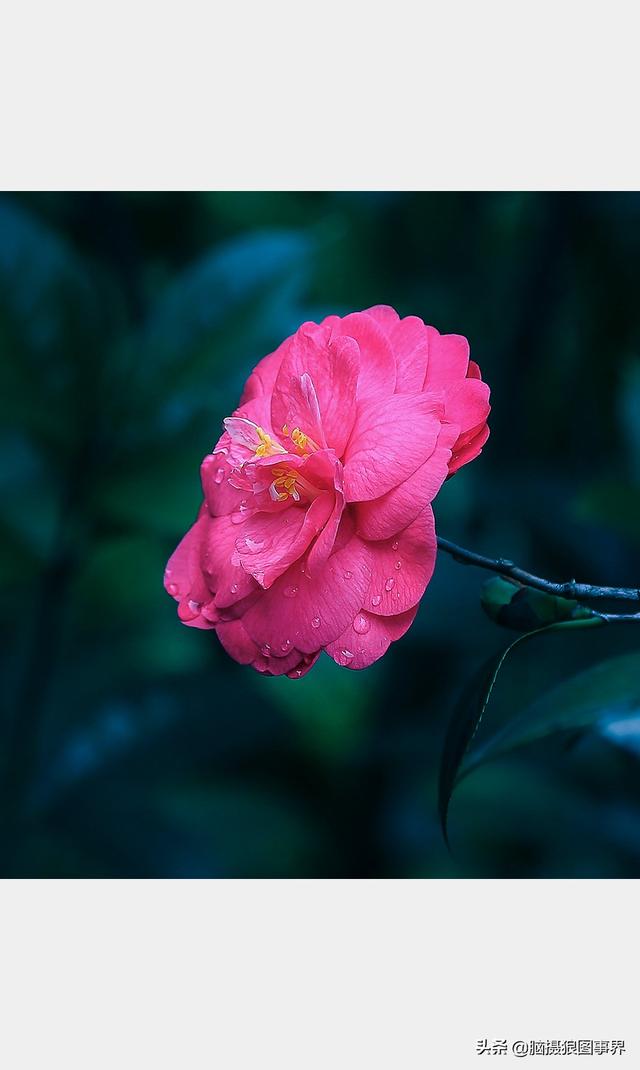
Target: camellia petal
x,y
390,441
368,638
401,567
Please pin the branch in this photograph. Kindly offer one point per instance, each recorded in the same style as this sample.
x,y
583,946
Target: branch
x,y
571,589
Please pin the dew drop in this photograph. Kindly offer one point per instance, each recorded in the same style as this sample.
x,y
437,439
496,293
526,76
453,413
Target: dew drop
x,y
389,584
172,588
376,600
398,565
194,606
394,545
298,673
315,623
244,506
348,575
266,650
237,518
290,592
234,588
286,646
361,625
346,654
219,476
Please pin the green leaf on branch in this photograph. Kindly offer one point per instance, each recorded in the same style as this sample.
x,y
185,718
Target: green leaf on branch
x,y
471,708
607,691
524,609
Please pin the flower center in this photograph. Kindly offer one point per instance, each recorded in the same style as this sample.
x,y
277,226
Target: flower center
x,y
251,442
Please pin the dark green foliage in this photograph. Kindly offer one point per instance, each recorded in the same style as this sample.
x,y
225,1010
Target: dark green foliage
x,y
523,608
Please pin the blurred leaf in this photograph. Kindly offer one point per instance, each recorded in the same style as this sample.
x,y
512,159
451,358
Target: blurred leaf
x,y
231,830
470,709
50,321
157,491
523,608
629,410
613,503
231,306
608,691
329,706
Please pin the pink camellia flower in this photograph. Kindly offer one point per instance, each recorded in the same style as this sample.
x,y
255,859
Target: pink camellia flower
x,y
316,531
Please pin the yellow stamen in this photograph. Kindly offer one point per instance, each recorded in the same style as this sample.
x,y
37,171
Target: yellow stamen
x,y
266,447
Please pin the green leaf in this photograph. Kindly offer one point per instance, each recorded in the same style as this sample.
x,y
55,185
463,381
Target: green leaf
x,y
613,503
227,310
470,710
607,691
513,605
50,325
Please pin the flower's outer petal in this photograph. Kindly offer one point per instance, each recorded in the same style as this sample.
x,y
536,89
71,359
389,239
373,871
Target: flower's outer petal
x,y
184,579
223,573
239,645
391,440
383,517
261,381
318,376
307,663
469,450
473,371
377,377
258,411
269,543
409,340
233,636
467,404
368,638
310,611
448,359
402,567
221,497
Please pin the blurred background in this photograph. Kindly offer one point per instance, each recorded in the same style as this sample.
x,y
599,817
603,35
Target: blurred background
x,y
131,746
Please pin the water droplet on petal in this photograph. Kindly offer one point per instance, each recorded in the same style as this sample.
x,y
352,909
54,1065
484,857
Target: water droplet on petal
x,y
172,588
219,476
290,592
266,650
346,654
302,569
194,606
398,565
315,623
376,600
348,575
361,625
389,584
286,646
244,506
234,588
394,545
237,518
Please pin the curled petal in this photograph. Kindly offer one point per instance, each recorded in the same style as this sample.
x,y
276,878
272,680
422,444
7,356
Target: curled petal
x,y
401,567
368,638
390,441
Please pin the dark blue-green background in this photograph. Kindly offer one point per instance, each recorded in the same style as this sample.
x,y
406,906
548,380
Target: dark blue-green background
x,y
132,746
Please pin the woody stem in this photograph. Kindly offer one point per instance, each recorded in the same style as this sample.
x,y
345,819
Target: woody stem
x,y
568,589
